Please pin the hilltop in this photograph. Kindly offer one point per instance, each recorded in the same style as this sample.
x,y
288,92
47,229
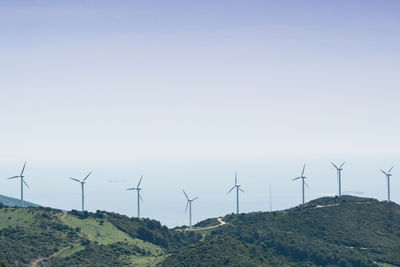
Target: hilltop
x,y
329,231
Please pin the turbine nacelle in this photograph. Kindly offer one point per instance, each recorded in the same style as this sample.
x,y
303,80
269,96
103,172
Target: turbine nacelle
x,y
302,177
139,197
388,174
340,167
82,182
134,188
189,199
21,175
236,185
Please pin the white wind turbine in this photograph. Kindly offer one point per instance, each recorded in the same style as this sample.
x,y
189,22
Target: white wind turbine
x,y
22,183
339,176
82,186
302,177
388,174
237,186
139,197
189,203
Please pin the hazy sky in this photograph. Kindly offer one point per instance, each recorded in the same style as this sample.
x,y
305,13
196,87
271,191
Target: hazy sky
x,y
198,79
192,81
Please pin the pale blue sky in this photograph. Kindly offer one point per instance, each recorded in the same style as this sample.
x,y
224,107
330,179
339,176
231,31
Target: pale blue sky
x,y
124,79
197,81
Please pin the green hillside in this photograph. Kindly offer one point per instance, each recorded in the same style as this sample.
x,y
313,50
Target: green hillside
x,y
12,202
44,236
346,231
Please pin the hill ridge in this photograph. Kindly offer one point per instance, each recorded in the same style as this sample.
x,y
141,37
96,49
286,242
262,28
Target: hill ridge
x,y
12,202
329,231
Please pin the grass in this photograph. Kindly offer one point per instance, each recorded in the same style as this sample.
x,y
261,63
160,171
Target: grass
x,y
42,232
70,250
106,233
146,260
16,217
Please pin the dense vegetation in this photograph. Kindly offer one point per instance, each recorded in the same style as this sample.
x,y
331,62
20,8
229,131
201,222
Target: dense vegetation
x,y
220,251
346,231
151,231
207,223
28,232
84,238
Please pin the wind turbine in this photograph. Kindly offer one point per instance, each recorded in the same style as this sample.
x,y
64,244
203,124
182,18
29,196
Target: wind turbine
x,y
22,183
388,174
237,186
189,203
82,186
139,198
302,177
270,198
339,176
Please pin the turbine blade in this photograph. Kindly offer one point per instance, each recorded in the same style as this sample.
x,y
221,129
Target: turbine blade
x,y
187,204
13,177
131,188
342,164
23,180
390,169
74,179
195,198
241,189
139,181
231,190
296,178
87,176
302,173
185,194
334,165
306,184
23,168
383,172
235,177
141,199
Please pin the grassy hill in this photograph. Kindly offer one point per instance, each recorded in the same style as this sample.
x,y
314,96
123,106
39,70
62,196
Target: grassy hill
x,y
346,231
14,202
44,236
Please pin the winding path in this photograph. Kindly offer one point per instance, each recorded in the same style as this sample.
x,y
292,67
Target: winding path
x,y
36,262
221,222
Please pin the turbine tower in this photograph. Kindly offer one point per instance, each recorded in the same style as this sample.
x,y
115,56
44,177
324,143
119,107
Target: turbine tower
x,y
82,186
139,197
270,198
237,186
388,174
339,176
189,203
21,176
302,177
